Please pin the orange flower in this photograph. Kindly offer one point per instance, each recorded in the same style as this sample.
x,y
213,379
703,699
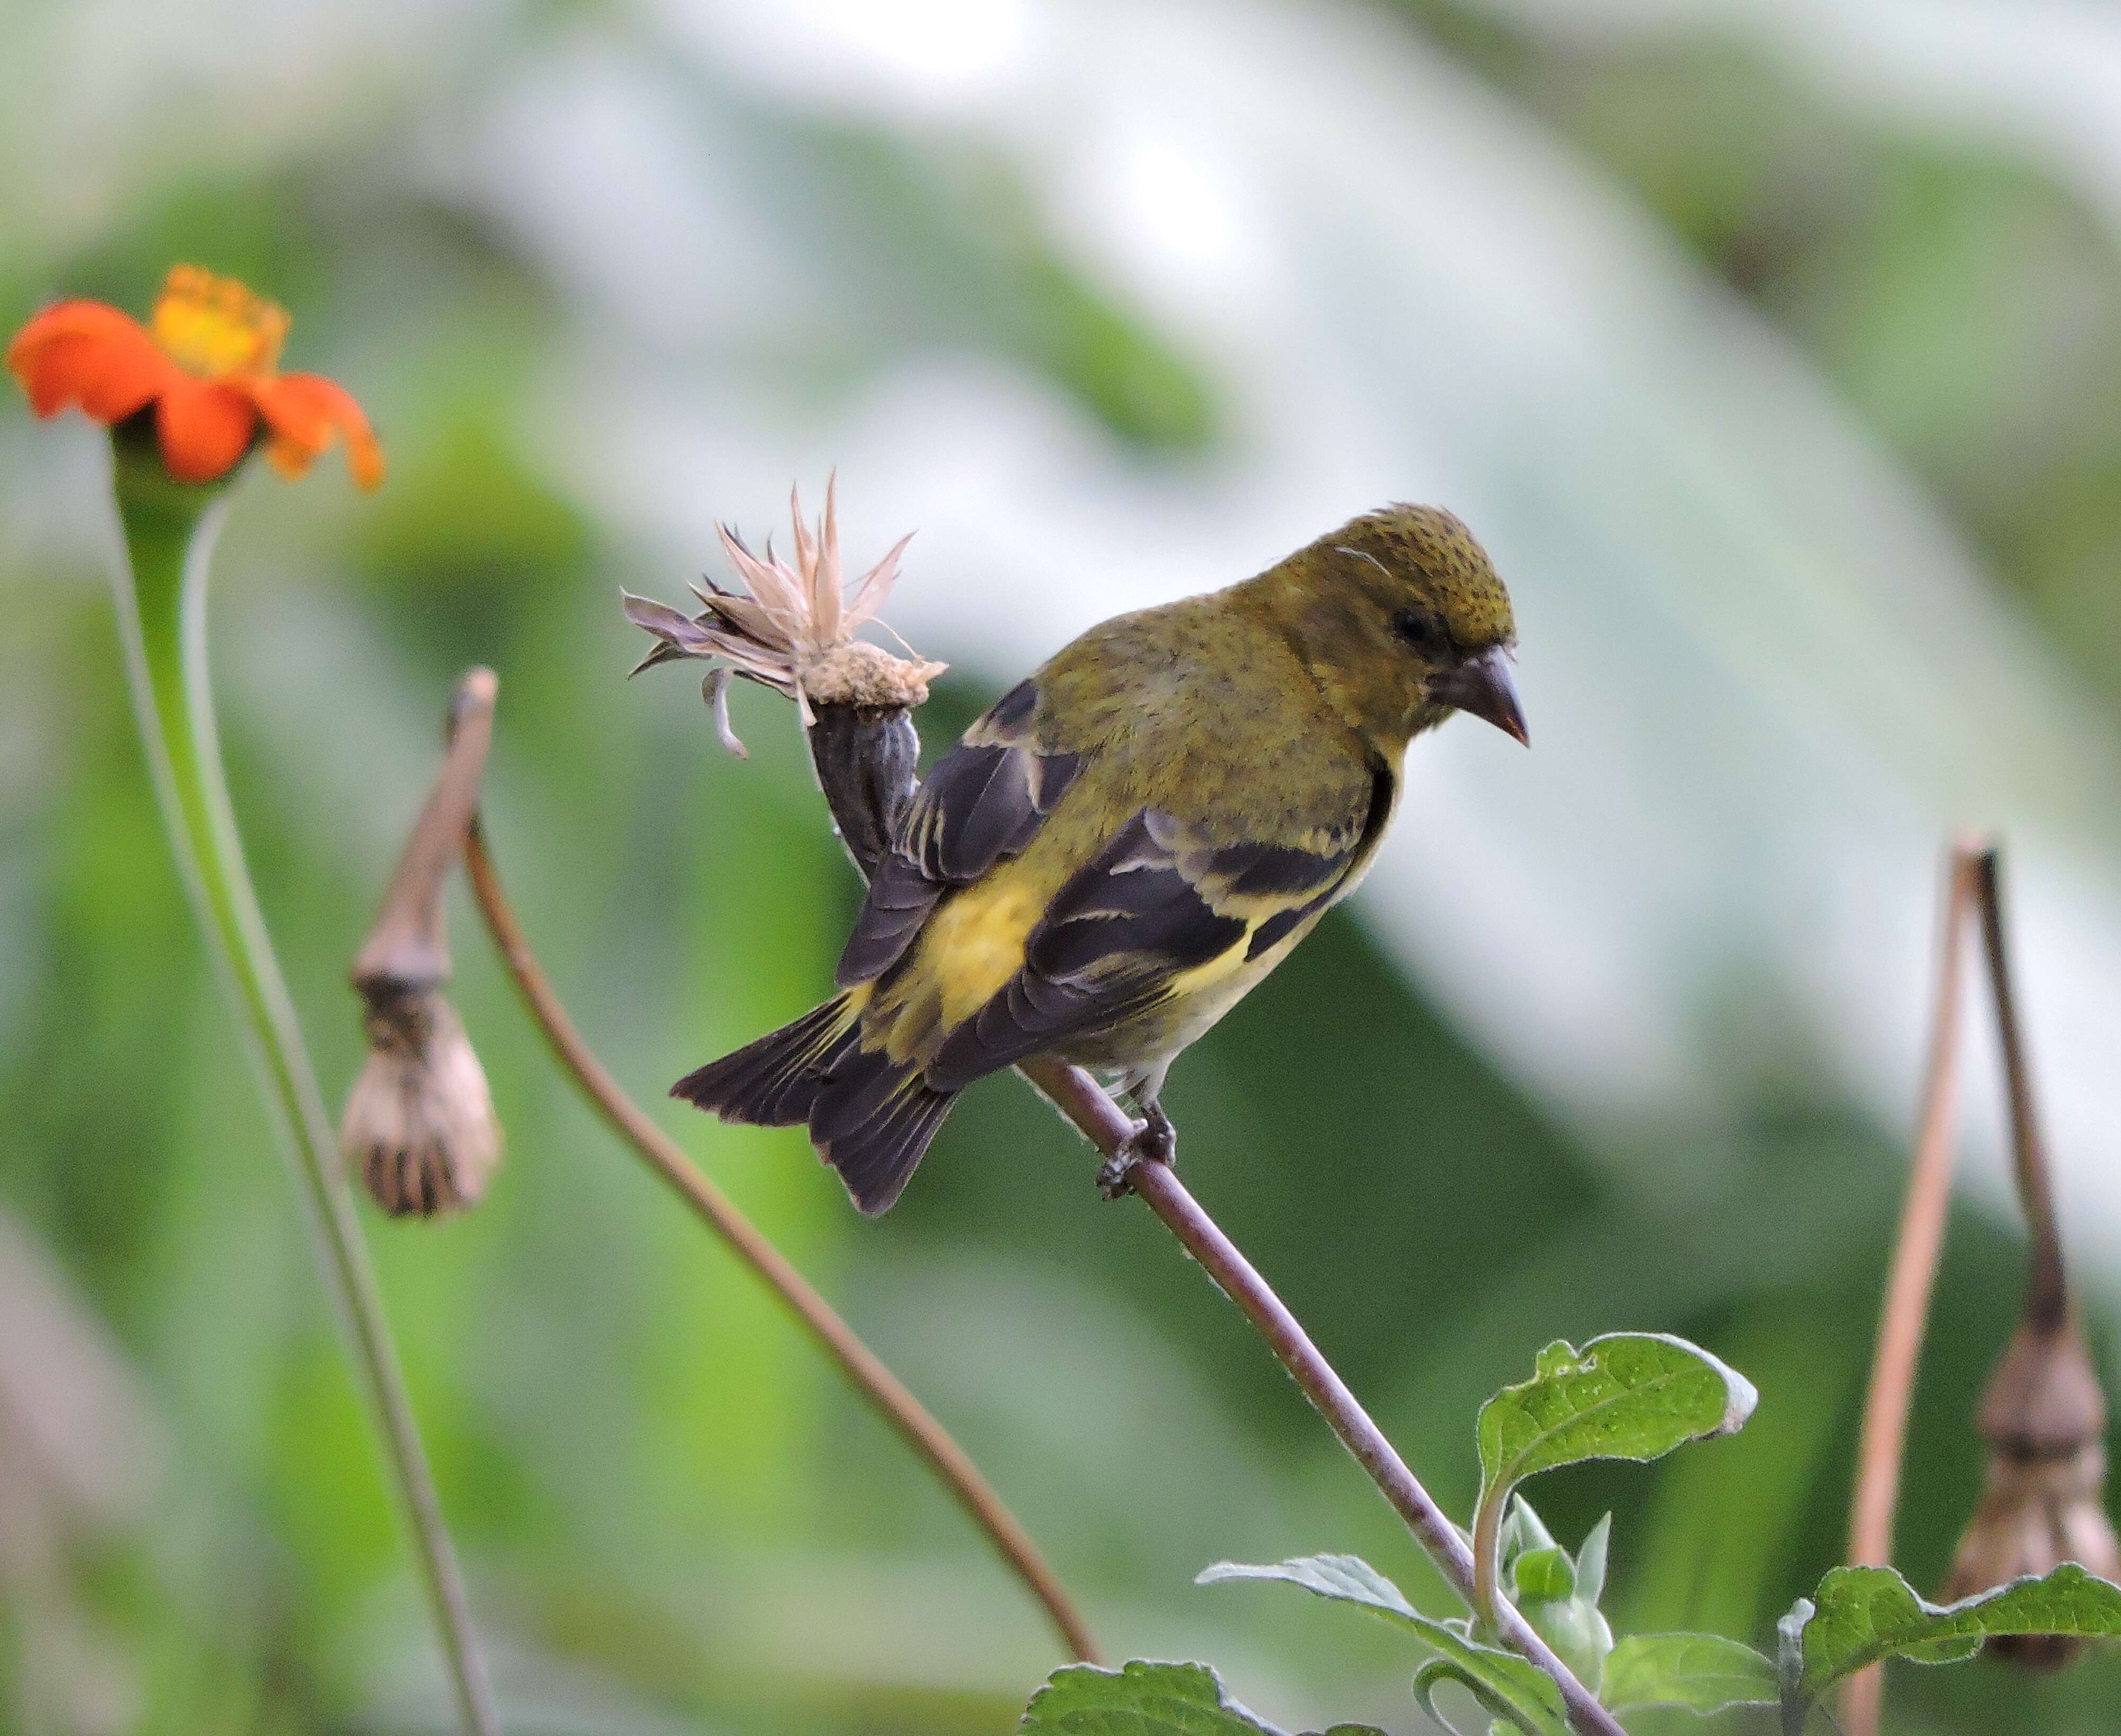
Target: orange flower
x,y
207,365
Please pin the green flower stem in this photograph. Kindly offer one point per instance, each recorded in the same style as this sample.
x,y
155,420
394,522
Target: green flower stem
x,y
169,533
1488,1557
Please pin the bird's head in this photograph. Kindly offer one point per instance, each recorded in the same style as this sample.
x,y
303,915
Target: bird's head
x,y
1403,620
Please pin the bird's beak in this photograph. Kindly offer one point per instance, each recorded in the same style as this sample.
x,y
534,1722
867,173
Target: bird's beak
x,y
1482,686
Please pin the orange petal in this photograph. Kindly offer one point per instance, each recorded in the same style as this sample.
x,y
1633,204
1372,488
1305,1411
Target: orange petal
x,y
206,427
86,353
306,413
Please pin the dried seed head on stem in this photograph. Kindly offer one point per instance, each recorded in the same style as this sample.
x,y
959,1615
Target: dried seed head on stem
x,y
2043,1413
419,1127
793,631
419,1124
2042,1499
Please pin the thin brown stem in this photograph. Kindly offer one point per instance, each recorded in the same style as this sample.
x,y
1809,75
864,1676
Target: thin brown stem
x,y
882,1388
2047,1292
1078,1097
406,948
1905,1314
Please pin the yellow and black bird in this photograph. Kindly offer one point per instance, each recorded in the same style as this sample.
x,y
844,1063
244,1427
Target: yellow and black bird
x,y
1128,842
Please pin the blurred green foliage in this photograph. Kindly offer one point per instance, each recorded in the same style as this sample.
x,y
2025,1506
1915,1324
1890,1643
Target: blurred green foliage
x,y
675,1519
1967,306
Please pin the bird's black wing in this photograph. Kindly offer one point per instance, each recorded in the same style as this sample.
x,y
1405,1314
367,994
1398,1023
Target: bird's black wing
x,y
986,799
1156,914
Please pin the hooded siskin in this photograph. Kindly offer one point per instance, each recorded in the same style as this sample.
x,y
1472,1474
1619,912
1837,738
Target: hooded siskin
x,y
1119,849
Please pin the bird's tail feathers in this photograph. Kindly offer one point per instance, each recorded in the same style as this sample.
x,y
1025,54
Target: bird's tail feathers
x,y
870,1117
773,1082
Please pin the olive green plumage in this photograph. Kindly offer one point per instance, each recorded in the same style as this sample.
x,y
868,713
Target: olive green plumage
x,y
1125,843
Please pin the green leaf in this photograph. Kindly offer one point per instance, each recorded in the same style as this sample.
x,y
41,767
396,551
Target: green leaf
x,y
1862,1614
1524,1692
1525,1530
1347,1578
1543,1575
1590,1560
1144,1699
1438,1671
1698,1673
1629,1395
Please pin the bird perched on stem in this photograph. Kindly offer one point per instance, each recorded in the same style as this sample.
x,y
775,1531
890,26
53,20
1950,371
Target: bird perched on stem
x,y
1125,843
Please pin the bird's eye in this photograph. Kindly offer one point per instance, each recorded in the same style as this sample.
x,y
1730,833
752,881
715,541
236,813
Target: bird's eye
x,y
1420,630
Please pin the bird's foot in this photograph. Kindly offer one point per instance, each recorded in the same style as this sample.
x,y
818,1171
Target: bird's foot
x,y
1154,1141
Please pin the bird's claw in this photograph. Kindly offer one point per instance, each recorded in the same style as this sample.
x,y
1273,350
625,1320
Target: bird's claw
x,y
1154,1141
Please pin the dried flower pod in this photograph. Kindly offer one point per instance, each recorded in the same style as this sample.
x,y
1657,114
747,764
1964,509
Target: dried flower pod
x,y
795,630
2035,1515
2042,1503
419,1126
2043,1399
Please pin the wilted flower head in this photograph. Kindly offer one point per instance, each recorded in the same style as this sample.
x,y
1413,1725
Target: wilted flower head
x,y
419,1124
206,364
795,631
2042,1502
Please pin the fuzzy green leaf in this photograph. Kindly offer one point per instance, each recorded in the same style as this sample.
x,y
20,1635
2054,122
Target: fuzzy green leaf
x,y
1508,1686
1507,1721
1699,1672
1862,1614
1144,1699
1629,1395
1347,1578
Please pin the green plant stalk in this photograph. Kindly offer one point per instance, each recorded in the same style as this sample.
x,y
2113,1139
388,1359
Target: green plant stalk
x,y
169,533
1488,1558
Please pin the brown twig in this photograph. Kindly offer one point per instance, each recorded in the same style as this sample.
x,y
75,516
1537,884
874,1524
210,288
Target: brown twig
x,y
882,1388
2047,1290
407,946
1905,1314
1974,887
1079,1097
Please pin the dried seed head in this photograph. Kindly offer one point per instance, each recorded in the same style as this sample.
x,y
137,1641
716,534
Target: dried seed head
x,y
2035,1515
867,677
2045,1417
795,630
2043,1400
419,1125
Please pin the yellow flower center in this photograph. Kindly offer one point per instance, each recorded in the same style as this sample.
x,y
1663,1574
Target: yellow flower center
x,y
214,326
